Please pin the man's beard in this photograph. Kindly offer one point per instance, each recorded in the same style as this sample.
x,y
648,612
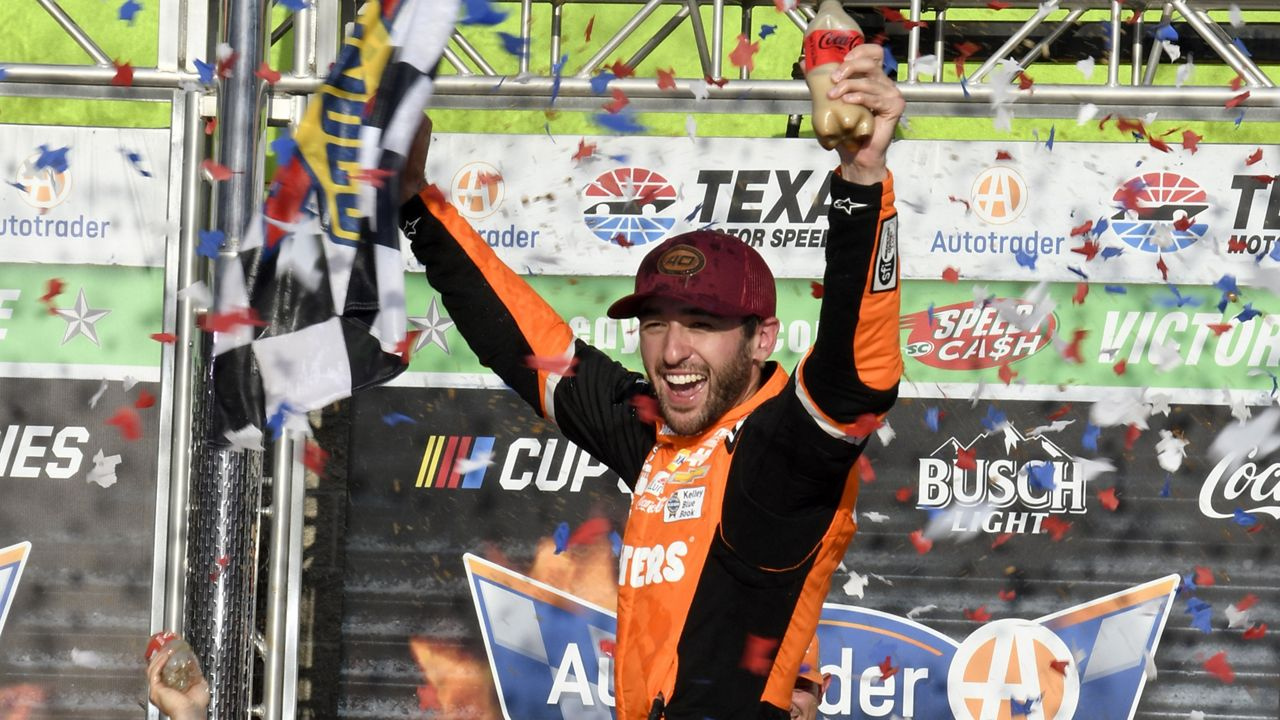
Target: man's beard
x,y
724,388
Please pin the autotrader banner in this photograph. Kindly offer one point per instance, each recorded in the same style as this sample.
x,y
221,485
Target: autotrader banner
x,y
1113,212
1011,558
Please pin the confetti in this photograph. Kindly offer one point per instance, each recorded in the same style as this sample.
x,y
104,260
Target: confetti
x,y
585,150
126,419
1220,667
931,417
618,102
815,289
1235,101
1255,632
1025,259
124,75
757,655
1059,666
767,30
646,408
966,459
210,243
1108,499
215,171
1255,158
743,56
1041,476
887,669
314,457
135,160
481,12
128,10
922,543
1082,291
667,79
1056,527
103,472
979,615
265,72
53,159
951,274
561,537
144,401
622,123
1007,595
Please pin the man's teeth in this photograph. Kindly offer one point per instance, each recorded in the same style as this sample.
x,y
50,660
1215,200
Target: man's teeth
x,y
684,379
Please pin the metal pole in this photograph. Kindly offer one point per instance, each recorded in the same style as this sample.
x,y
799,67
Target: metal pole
x,y
939,41
1153,59
526,27
1135,74
85,42
1035,52
662,34
1231,55
699,36
458,66
222,554
717,39
474,55
278,620
913,43
745,24
618,38
557,30
1014,40
1113,59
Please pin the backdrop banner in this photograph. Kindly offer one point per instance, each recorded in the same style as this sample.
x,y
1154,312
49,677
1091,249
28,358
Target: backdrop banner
x,y
1073,571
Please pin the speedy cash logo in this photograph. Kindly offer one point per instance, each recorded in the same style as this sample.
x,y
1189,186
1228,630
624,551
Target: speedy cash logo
x,y
1158,212
42,188
624,206
964,337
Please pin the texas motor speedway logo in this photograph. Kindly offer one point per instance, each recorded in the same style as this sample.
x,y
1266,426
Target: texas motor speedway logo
x,y
550,655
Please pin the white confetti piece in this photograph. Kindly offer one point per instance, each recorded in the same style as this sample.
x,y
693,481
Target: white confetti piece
x,y
103,472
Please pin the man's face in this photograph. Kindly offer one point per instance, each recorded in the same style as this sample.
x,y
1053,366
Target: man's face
x,y
701,365
804,704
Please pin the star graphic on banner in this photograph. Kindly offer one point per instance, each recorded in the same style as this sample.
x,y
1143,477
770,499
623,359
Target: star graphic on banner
x,y
81,320
433,326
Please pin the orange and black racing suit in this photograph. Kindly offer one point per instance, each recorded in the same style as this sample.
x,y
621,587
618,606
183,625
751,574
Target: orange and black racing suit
x,y
734,533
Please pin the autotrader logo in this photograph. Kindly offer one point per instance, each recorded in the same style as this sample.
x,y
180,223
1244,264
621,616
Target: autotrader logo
x,y
1158,212
623,206
477,190
999,195
42,188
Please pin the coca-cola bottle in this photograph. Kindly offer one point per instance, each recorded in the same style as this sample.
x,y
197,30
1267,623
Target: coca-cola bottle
x,y
828,38
182,668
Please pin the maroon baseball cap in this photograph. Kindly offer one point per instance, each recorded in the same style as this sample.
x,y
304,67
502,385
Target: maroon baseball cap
x,y
711,270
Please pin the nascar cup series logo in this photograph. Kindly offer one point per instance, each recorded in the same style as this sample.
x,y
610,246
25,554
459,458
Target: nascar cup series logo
x,y
999,195
42,188
477,190
964,337
1158,212
623,206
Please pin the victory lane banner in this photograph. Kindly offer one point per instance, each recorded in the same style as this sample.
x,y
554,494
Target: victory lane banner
x,y
1107,212
1070,571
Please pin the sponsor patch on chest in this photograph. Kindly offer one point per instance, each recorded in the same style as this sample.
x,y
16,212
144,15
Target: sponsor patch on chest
x,y
684,504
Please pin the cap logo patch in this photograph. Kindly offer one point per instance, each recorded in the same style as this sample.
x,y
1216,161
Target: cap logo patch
x,y
681,260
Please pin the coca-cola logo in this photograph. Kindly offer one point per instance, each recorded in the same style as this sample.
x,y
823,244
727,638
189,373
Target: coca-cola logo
x,y
964,337
838,41
1234,485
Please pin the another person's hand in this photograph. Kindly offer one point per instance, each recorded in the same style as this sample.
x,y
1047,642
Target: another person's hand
x,y
191,704
413,179
860,80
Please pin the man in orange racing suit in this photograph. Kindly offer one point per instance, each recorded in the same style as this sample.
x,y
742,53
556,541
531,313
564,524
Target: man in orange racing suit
x,y
744,481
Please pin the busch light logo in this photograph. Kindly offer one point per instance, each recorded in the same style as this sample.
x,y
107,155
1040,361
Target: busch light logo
x,y
1158,212
550,657
12,560
623,206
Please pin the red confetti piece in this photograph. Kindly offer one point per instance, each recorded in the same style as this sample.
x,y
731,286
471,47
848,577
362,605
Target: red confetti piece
x,y
621,240
922,543
554,364
1255,158
591,24
1158,144
950,274
1247,602
816,289
404,348
667,79
227,321
1120,367
607,647
1056,527
1219,328
621,70
962,201
53,287
163,337
1008,595
1265,179
489,179
1059,666
892,15
590,531
127,421
646,408
585,150
1235,101
145,400
1124,124
903,494
718,82
1060,412
1025,81
1108,499
314,457
216,171
619,101
1001,539
1072,353
1160,264
1082,229
997,4
757,656
1130,196
1237,82
966,459
377,177
745,53
210,126
1219,667
864,425
1082,291
1131,436
1089,249
225,64
1102,124
1181,224
265,72
123,76
887,669
1204,576
866,473
1006,374
1255,632
1191,141
979,615
1003,155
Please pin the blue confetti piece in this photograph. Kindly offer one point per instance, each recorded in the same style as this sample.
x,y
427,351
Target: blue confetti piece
x,y
994,419
931,418
1100,226
561,537
482,12
964,86
557,69
767,30
205,70
689,218
1018,707
283,148
1187,583
891,63
1108,253
1166,490
1026,259
55,160
1083,275
1228,284
931,306
128,10
623,122
615,541
395,418
136,161
294,5
618,159
210,242
514,44
600,82
1052,130
1240,45
1090,439
1167,33
1239,118
4,73
1248,313
20,186
275,423
1116,289
1244,519
1041,476
1201,614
